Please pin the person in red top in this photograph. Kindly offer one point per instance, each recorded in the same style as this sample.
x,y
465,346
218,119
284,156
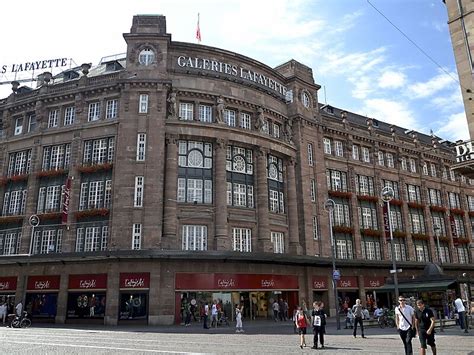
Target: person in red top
x,y
301,324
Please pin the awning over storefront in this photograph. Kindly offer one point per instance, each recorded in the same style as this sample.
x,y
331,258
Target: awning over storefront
x,y
413,286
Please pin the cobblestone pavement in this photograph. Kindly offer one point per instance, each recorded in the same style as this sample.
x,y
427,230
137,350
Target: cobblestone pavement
x,y
260,337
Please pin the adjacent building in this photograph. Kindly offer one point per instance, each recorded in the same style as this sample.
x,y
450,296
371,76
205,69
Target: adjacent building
x,y
179,173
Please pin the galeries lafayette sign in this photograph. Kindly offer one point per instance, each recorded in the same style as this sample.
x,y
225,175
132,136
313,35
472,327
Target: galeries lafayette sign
x,y
43,282
8,283
211,281
88,282
134,280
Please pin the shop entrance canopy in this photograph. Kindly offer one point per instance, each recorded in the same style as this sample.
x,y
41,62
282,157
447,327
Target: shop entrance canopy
x,y
422,286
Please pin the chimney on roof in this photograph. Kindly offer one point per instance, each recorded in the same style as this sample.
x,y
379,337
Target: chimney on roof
x,y
149,24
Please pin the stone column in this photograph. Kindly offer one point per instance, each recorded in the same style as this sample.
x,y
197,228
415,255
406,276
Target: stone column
x,y
264,243
61,310
293,230
169,239
112,304
221,238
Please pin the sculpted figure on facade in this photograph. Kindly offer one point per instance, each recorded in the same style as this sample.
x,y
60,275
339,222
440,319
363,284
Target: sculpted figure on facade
x,y
289,130
220,110
260,121
172,104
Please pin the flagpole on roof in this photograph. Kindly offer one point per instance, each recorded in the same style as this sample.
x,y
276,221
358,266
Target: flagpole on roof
x,y
198,31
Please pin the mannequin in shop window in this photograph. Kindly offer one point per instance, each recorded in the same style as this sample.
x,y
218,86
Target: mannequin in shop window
x,y
92,306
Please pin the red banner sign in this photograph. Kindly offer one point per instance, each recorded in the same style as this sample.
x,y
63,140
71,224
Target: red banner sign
x,y
454,232
67,194
189,281
320,283
43,283
348,282
8,283
88,282
134,280
374,282
386,222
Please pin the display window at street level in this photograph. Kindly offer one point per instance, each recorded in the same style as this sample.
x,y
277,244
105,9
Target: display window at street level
x,y
133,305
86,305
42,305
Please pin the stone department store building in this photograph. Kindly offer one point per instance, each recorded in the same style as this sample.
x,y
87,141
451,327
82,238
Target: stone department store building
x,y
180,173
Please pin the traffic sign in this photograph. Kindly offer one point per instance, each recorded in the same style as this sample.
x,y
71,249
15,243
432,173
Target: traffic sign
x,y
336,275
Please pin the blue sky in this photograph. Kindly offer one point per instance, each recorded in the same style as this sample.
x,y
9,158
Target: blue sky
x,y
362,62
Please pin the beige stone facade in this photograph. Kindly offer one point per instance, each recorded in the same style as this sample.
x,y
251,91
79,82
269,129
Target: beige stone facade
x,y
185,158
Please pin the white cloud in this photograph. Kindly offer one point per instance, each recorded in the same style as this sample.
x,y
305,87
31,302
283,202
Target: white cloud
x,y
455,128
437,83
390,111
448,101
391,80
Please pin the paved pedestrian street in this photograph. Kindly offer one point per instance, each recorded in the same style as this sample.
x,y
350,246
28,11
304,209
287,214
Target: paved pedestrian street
x,y
261,337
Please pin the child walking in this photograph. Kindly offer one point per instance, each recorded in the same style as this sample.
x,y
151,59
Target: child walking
x,y
301,324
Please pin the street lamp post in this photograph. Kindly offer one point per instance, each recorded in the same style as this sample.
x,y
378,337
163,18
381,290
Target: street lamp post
x,y
387,196
436,229
329,206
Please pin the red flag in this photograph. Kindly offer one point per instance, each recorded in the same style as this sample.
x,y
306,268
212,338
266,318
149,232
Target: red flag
x,y
198,32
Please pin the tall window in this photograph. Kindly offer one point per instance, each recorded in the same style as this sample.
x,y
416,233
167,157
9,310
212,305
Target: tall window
x,y
195,172
50,198
336,180
400,249
19,163
315,228
137,236
240,178
414,193
229,117
470,203
368,216
435,197
18,126
141,146
92,238
205,113
69,115
403,164
454,201
381,158
275,184
47,241
313,190
394,186
31,122
10,241
417,221
390,162
421,250
412,165
338,149
139,187
463,254
371,248
143,103
365,155
278,241
310,154
56,157
53,118
194,237
95,194
425,169
99,151
355,152
341,216
242,239
245,120
365,185
94,111
327,145
111,110
186,111
14,202
344,249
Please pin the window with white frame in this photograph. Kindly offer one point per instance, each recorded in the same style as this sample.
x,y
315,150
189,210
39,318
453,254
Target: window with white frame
x,y
400,249
365,155
99,151
275,184
143,103
245,120
186,111
205,113
390,162
355,152
338,149
137,236
94,111
435,197
412,165
53,118
50,199
394,186
403,164
463,254
229,117
10,241
194,237
31,122
14,202
367,216
18,126
336,180
19,163
424,169
454,201
310,154
470,203
111,109
452,175
313,190
327,145
422,251
56,157
344,249
195,172
242,239
92,238
240,179
315,228
141,146
365,185
459,225
278,241
139,188
433,169
414,193
371,248
381,158
276,130
95,194
47,241
417,221
69,115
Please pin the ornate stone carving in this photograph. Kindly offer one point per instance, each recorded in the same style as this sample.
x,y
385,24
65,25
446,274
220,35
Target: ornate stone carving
x,y
172,105
260,121
171,139
220,109
288,130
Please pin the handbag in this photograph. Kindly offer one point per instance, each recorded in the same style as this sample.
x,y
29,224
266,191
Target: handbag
x,y
411,330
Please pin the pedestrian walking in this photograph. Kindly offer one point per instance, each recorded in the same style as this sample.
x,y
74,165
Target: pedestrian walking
x,y
238,317
276,310
318,320
301,323
425,322
357,310
3,312
187,314
214,313
405,320
461,310
205,315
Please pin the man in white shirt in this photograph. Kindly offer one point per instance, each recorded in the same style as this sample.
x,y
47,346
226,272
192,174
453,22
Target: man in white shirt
x,y
19,309
3,312
405,320
214,314
459,304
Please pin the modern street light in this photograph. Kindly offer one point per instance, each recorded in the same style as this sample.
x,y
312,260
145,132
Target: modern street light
x,y
436,229
387,196
329,206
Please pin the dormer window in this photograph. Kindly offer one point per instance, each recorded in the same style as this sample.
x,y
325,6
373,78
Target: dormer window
x,y
18,126
146,56
70,75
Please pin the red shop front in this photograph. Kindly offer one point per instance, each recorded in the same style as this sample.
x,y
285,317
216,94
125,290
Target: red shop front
x,y
348,292
86,296
256,292
134,290
320,285
372,297
7,292
42,296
